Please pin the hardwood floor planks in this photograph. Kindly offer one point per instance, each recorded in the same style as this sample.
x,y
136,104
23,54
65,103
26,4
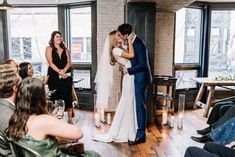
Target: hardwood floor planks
x,y
161,142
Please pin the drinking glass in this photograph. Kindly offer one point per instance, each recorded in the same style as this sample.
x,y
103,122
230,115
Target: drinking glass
x,y
60,105
50,106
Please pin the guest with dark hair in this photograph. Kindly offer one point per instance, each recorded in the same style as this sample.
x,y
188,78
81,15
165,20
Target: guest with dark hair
x,y
32,126
26,70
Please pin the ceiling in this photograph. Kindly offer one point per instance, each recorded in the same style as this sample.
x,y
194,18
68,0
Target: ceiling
x,y
162,5
43,1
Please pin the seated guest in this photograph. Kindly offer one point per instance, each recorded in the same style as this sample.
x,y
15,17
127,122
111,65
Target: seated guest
x,y
230,113
210,150
222,135
217,111
13,63
26,70
31,125
9,81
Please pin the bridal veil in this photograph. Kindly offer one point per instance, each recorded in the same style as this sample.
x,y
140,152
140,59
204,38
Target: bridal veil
x,y
104,77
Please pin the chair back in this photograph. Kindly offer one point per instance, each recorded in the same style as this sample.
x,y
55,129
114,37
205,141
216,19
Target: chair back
x,y
21,150
5,149
10,148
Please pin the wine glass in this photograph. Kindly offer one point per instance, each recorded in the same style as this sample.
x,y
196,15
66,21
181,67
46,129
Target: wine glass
x,y
50,106
60,105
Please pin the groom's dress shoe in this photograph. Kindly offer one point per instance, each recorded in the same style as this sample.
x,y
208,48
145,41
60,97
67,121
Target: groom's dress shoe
x,y
204,131
137,141
203,139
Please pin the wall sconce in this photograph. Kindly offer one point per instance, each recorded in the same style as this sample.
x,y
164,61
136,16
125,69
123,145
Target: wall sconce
x,y
6,6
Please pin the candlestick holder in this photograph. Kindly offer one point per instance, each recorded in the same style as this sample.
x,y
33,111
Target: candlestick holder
x,y
96,113
181,106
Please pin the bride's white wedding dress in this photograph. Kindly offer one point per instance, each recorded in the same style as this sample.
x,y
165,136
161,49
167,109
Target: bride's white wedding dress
x,y
124,125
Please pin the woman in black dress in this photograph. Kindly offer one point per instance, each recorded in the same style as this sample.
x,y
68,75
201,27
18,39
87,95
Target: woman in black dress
x,y
59,71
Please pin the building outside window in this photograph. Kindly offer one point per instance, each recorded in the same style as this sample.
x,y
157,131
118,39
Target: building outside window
x,y
30,31
187,43
222,43
81,51
80,32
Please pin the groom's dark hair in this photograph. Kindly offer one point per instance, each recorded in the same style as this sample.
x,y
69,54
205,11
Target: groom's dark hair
x,y
125,29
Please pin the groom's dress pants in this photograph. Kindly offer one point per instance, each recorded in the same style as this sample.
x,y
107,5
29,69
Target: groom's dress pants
x,y
140,94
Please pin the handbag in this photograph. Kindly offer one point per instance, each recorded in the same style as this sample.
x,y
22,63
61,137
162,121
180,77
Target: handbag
x,y
73,148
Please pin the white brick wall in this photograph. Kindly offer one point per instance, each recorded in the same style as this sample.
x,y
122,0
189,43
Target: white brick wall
x,y
164,43
110,14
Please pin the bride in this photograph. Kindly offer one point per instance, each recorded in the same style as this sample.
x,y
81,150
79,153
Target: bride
x,y
124,125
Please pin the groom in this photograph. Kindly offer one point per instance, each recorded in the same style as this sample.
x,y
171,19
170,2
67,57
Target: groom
x,y
142,77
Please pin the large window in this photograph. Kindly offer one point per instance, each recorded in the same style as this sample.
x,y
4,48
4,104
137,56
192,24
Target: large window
x,y
30,31
187,46
222,43
80,35
187,35
80,43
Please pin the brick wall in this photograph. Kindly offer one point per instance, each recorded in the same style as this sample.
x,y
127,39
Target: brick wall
x,y
110,14
164,43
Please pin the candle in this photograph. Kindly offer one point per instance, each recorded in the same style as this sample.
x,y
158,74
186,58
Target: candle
x,y
164,118
172,121
97,119
102,115
109,118
180,121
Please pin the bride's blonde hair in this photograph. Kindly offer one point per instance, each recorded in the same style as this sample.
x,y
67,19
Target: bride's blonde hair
x,y
112,44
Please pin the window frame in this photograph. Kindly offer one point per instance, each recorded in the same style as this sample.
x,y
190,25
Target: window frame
x,y
190,66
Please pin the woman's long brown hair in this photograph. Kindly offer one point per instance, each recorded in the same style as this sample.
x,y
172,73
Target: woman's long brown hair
x,y
30,100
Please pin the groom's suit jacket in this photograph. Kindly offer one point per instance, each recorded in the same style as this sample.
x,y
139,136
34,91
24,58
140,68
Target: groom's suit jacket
x,y
140,64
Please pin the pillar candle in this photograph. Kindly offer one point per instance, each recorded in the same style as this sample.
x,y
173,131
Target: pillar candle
x,y
102,115
109,118
164,118
97,119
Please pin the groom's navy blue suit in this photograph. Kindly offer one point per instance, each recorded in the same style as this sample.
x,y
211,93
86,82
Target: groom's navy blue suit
x,y
142,77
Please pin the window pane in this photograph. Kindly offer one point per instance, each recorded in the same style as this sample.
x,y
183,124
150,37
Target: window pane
x,y
81,34
82,79
30,31
184,79
187,35
222,43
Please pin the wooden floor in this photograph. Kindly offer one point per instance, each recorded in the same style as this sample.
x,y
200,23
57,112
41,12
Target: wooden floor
x,y
172,143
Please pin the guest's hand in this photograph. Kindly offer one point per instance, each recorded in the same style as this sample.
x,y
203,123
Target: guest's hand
x,y
230,145
61,72
64,76
44,79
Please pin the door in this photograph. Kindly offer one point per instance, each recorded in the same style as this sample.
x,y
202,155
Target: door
x,y
142,18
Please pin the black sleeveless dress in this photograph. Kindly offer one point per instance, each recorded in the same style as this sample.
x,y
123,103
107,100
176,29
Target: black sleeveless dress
x,y
62,86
